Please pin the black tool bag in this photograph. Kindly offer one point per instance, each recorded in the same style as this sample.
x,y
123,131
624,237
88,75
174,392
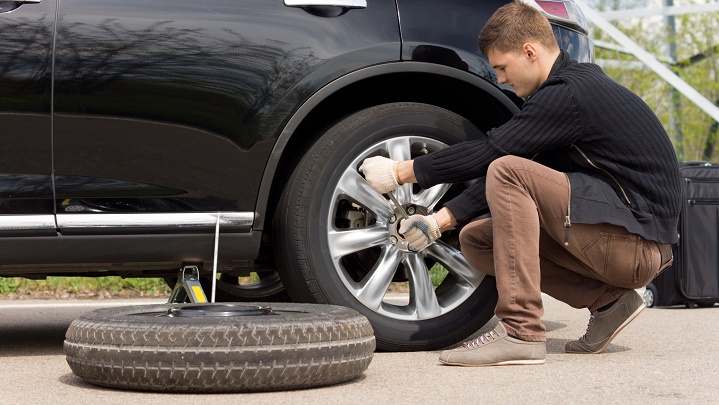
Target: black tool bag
x,y
693,279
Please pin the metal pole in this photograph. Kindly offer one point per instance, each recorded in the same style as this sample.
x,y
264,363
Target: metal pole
x,y
214,261
648,59
675,110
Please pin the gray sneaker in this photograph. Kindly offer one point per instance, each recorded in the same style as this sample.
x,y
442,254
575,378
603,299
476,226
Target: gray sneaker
x,y
605,325
495,348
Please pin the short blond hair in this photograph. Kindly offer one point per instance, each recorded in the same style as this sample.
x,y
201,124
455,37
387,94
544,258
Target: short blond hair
x,y
512,26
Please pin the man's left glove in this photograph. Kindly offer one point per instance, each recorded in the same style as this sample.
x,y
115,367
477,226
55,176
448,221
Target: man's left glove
x,y
380,173
420,231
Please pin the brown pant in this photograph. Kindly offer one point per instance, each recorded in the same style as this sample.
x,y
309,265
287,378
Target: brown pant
x,y
522,245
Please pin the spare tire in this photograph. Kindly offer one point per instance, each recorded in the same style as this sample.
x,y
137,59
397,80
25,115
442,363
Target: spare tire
x,y
219,347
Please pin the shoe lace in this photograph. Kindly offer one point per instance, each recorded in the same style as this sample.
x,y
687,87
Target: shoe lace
x,y
589,326
486,338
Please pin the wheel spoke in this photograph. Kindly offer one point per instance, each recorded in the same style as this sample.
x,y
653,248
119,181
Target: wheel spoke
x,y
373,288
430,197
404,194
342,243
356,187
422,291
398,149
455,263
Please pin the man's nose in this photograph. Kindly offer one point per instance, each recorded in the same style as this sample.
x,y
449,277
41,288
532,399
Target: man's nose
x,y
501,78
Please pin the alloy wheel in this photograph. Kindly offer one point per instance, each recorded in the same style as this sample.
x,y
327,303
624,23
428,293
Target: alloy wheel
x,y
365,230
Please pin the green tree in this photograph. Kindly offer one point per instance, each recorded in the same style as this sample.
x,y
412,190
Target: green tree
x,y
697,62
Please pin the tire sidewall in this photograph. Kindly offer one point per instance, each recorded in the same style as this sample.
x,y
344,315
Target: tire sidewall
x,y
283,314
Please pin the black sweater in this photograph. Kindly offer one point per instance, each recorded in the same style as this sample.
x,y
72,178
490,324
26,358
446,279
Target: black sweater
x,y
578,118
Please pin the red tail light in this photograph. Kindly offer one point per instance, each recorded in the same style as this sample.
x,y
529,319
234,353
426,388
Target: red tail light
x,y
562,12
554,8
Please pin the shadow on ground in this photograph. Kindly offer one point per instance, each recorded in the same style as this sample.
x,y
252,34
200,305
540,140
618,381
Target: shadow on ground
x,y
32,340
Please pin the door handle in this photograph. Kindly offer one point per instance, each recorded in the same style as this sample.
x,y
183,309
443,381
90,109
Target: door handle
x,y
336,3
8,6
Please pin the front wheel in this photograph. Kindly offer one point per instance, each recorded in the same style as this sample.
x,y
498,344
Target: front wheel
x,y
337,240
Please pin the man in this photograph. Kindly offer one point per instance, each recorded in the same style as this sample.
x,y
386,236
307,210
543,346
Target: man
x,y
582,185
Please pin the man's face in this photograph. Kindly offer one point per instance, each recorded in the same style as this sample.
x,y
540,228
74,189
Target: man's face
x,y
519,69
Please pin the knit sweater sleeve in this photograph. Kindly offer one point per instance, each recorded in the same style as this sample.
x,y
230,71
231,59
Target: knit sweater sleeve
x,y
550,119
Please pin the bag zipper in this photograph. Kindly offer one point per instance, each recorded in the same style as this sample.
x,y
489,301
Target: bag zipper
x,y
700,180
606,172
703,202
567,221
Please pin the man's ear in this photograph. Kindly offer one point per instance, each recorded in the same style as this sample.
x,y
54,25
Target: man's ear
x,y
530,51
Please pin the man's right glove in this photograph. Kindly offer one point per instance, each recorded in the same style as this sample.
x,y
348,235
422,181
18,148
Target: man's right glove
x,y
380,173
420,231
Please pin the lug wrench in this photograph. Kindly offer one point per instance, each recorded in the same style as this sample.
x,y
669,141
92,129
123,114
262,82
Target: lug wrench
x,y
401,211
398,205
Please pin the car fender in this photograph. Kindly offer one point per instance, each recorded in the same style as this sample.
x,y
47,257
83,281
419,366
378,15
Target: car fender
x,y
312,102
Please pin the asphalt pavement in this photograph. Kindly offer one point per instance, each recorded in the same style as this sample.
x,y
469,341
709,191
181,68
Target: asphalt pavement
x,y
666,356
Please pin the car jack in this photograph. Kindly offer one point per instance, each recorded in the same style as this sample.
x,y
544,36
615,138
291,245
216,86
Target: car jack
x,y
188,287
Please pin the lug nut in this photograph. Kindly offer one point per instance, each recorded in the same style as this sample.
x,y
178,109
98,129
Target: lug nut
x,y
392,219
393,240
411,210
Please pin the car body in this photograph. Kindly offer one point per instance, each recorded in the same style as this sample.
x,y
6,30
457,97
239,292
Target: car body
x,y
131,128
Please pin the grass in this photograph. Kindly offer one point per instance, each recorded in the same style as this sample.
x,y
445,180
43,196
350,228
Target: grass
x,y
110,285
437,273
118,286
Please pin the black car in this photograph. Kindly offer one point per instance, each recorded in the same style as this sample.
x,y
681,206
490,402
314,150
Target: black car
x,y
130,128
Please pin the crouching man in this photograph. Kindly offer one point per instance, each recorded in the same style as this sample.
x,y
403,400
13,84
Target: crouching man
x,y
583,188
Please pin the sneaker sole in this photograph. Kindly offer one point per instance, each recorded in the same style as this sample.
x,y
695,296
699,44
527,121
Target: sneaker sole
x,y
501,363
616,332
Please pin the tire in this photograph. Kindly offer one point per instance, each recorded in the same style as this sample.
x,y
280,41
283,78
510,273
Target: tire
x,y
267,288
705,304
333,232
650,295
219,347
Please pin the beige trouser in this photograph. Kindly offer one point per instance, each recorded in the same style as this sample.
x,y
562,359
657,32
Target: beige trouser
x,y
522,245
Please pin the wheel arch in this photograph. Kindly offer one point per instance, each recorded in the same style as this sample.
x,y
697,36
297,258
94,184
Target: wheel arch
x,y
466,94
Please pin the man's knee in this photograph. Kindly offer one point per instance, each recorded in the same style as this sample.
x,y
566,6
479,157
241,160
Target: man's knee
x,y
504,165
477,235
502,169
476,243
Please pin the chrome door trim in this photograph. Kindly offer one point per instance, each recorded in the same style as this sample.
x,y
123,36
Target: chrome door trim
x,y
166,222
27,223
338,3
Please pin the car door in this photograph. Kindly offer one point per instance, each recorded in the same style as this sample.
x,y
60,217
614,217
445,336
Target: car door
x,y
26,198
173,106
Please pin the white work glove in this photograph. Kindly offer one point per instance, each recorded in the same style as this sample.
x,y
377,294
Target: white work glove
x,y
420,231
380,174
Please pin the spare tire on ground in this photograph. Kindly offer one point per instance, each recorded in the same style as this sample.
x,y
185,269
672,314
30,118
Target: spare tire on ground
x,y
220,347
